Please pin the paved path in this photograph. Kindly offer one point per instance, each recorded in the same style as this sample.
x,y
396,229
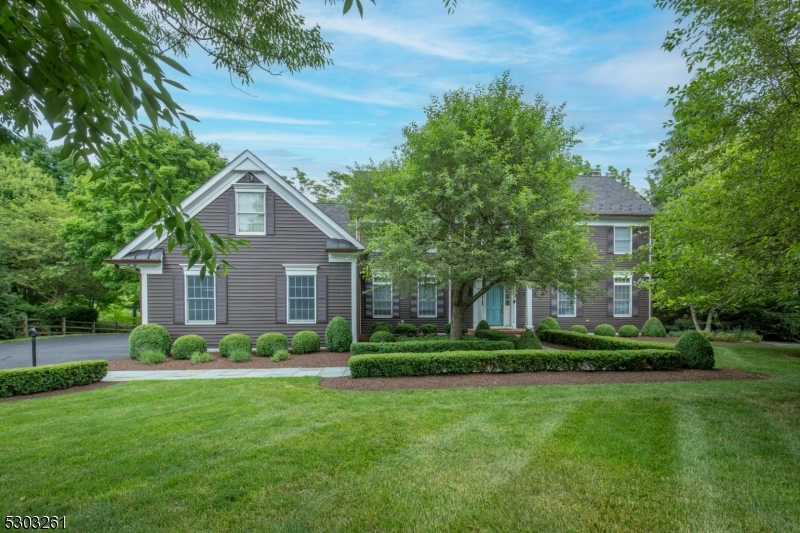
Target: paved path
x,y
138,375
64,349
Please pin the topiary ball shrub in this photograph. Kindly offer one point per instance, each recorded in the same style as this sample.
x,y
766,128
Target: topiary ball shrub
x,y
447,328
605,330
429,329
148,337
380,326
548,323
381,336
234,341
280,355
305,342
338,336
268,343
654,328
405,330
240,356
577,328
696,351
151,357
528,341
185,346
628,331
482,325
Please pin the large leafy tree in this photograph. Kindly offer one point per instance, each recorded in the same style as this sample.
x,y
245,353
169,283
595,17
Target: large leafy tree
x,y
480,191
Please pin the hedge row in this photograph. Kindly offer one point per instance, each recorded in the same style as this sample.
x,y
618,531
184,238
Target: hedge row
x,y
467,362
361,348
50,377
595,342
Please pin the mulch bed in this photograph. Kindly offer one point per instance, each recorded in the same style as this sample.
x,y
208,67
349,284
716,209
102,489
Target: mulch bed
x,y
532,378
80,388
307,360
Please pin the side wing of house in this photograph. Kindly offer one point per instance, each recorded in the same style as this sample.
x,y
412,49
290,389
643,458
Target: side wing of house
x,y
381,303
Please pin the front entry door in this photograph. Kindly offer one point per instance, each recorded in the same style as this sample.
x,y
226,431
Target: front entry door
x,y
494,306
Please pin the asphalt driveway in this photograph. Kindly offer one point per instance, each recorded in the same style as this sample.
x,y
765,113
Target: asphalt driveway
x,y
64,349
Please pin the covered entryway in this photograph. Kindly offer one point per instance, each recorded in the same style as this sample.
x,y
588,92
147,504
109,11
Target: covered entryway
x,y
494,306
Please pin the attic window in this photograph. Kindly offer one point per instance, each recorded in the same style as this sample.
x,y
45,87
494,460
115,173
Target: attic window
x,y
250,213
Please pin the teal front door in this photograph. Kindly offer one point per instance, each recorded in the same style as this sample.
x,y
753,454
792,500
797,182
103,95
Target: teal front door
x,y
494,306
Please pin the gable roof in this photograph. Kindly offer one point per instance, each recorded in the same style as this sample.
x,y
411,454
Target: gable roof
x,y
610,197
337,212
222,181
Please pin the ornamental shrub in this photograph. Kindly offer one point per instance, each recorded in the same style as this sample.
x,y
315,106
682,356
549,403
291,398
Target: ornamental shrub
x,y
528,341
45,378
654,328
605,330
280,355
406,330
338,336
598,342
628,331
380,326
305,342
234,341
577,328
201,357
696,351
494,335
381,336
432,346
268,343
148,337
548,323
185,346
482,325
429,329
724,337
151,357
447,328
239,355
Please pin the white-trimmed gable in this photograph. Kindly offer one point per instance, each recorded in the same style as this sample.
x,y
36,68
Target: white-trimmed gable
x,y
222,181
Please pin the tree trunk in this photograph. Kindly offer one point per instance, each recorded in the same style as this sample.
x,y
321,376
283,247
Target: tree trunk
x,y
708,320
694,318
460,304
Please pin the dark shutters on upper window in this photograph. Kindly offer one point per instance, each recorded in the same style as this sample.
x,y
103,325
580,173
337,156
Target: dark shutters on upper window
x,y
231,197
178,299
270,201
610,247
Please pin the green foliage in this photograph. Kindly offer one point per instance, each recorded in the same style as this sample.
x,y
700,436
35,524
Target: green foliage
x,y
599,342
653,328
361,348
235,341
9,316
494,335
429,329
185,346
467,362
548,323
305,342
528,341
151,357
577,328
605,330
380,326
448,326
269,343
404,329
50,377
338,335
482,325
696,351
280,355
238,355
201,357
381,336
777,321
149,337
628,331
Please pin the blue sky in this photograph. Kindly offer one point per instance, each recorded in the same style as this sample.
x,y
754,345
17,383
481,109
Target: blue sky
x,y
604,59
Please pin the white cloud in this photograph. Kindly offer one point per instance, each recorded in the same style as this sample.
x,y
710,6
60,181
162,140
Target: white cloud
x,y
648,73
270,139
246,117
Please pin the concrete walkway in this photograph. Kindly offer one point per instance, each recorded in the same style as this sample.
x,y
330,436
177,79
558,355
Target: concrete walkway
x,y
139,375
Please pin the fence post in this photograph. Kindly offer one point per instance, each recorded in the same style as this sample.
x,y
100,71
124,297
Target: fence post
x,y
116,327
92,326
63,325
25,325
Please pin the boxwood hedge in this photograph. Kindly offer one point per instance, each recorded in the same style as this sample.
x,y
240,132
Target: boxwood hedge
x,y
185,346
149,337
305,342
51,377
595,342
269,343
234,341
361,348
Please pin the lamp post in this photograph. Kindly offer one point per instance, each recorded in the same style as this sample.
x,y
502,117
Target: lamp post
x,y
32,333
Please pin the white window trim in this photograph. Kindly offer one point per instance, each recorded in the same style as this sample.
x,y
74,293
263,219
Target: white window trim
x,y
630,240
300,270
435,299
391,298
628,275
574,305
195,271
250,188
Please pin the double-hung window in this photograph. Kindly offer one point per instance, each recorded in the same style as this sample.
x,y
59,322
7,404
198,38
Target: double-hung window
x,y
426,299
623,289
250,213
566,304
201,300
381,297
622,240
301,293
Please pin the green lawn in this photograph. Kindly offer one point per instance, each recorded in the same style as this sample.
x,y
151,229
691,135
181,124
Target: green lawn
x,y
286,455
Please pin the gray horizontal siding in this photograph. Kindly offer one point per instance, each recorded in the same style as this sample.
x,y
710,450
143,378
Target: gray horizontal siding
x,y
405,315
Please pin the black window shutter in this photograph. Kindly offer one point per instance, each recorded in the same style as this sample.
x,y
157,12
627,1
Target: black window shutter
x,y
440,305
414,306
280,299
322,299
270,206
553,301
610,299
611,239
221,284
578,307
368,298
634,298
396,307
231,212
178,301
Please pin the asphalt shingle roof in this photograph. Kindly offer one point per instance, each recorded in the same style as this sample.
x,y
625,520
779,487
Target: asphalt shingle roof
x,y
610,197
337,214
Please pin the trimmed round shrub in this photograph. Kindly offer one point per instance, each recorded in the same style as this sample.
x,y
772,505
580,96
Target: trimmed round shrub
x,y
185,346
280,355
696,351
338,336
234,341
380,326
151,357
381,336
654,328
528,341
149,337
429,329
577,328
548,323
305,342
628,331
447,328
240,356
405,330
269,343
605,330
482,325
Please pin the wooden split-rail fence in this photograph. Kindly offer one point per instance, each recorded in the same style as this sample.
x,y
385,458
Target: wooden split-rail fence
x,y
67,327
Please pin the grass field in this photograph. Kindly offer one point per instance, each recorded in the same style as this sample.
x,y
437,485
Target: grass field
x,y
287,455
